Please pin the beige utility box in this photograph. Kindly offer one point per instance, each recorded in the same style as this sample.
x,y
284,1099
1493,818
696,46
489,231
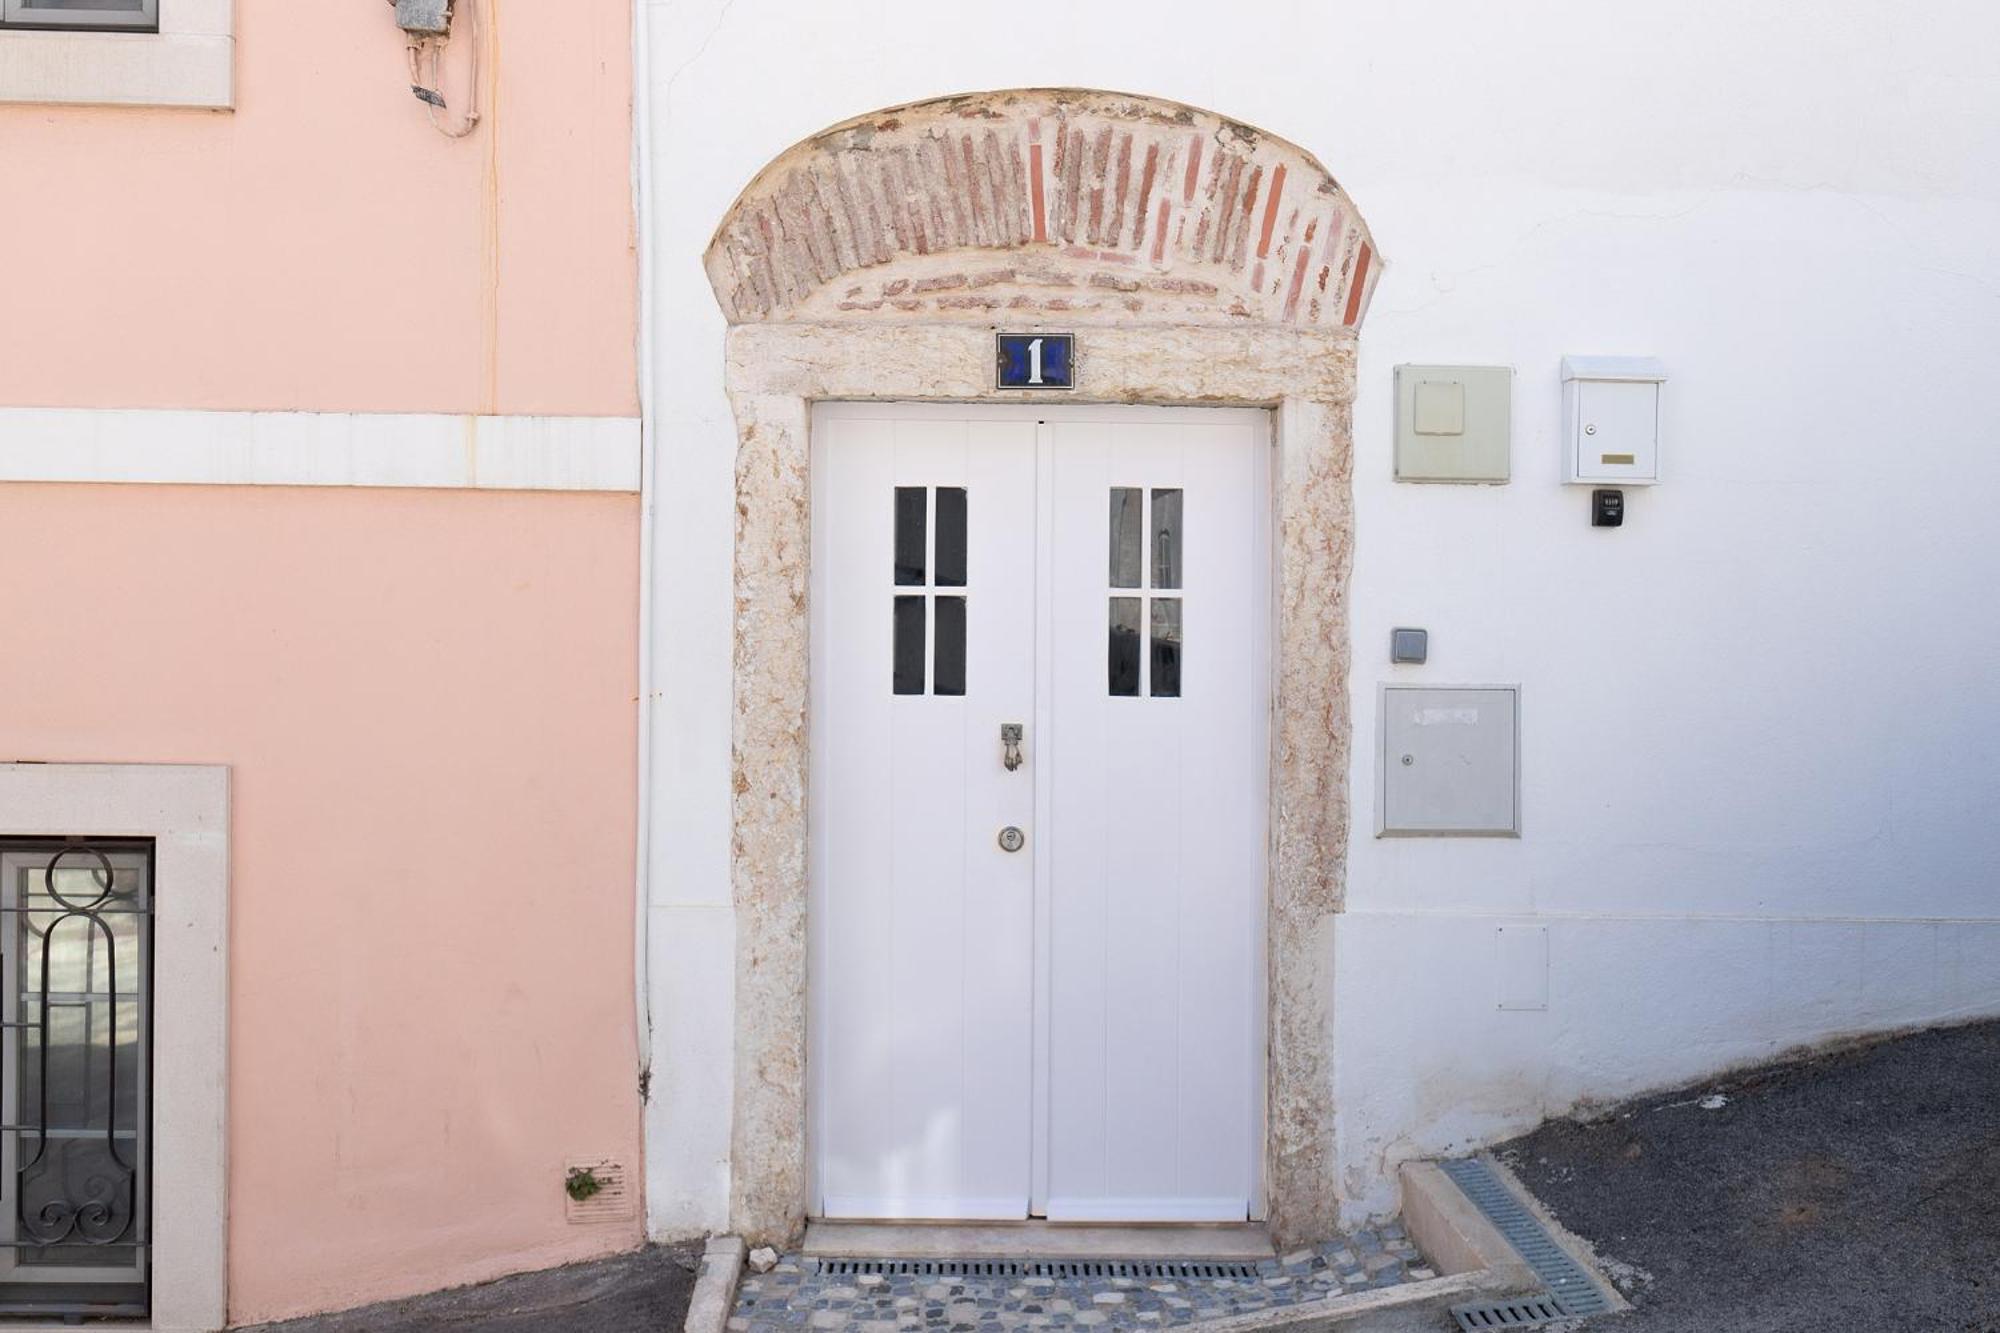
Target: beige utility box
x,y
1450,761
1454,423
1611,420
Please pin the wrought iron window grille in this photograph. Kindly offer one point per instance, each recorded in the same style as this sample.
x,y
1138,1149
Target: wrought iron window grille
x,y
76,926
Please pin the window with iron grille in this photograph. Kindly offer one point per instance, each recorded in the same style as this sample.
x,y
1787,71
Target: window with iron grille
x,y
115,15
76,942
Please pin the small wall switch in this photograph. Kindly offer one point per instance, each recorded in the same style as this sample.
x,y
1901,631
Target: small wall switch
x,y
1409,645
1454,423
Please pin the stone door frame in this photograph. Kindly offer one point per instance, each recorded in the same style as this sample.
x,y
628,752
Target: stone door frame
x,y
1200,262
775,372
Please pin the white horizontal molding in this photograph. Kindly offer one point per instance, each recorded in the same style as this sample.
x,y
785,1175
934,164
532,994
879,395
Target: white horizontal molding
x,y
432,450
118,69
189,62
198,18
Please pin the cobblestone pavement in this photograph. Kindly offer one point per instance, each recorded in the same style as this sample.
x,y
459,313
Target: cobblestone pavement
x,y
797,1296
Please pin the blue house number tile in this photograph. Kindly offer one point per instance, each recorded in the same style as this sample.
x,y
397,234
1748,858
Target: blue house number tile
x,y
1036,360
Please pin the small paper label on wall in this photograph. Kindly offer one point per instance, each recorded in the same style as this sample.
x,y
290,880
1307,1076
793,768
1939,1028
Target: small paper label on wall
x,y
1447,717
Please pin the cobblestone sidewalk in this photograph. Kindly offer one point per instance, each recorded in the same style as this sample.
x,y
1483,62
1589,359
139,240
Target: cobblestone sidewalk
x,y
797,1296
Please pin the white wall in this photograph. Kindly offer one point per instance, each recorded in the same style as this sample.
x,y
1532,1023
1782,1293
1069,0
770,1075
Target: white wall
x,y
1759,737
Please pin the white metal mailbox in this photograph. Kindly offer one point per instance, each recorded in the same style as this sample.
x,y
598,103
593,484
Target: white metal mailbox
x,y
1611,420
1449,761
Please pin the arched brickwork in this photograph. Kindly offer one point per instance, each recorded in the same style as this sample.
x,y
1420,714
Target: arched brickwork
x,y
1089,206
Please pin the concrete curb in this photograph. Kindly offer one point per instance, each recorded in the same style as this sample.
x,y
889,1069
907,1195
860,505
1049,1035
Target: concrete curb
x,y
1454,1235
1473,1260
1430,1294
715,1286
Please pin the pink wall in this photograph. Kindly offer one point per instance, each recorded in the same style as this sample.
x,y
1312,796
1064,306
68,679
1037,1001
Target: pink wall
x,y
320,247
426,700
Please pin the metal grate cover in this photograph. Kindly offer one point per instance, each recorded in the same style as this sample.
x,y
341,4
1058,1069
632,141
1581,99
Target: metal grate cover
x,y
1569,1286
1055,1268
1526,1312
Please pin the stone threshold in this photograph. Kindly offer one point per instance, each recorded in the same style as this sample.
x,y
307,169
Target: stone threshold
x,y
1226,1242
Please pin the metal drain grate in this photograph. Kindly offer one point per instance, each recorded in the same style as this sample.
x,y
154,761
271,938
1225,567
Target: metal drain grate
x,y
1055,1268
1527,1312
1569,1286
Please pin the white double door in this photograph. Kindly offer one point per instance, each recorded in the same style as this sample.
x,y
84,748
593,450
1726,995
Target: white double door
x,y
1071,1029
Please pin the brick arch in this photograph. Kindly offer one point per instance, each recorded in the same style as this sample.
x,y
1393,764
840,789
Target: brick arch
x,y
1084,206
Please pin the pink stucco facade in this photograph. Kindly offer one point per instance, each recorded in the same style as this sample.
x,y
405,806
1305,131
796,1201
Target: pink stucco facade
x,y
426,698
320,247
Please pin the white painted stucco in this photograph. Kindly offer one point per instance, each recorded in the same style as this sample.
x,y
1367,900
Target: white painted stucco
x,y
1759,733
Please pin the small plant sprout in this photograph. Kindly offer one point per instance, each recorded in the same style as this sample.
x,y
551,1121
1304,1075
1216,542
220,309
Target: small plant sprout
x,y
582,1183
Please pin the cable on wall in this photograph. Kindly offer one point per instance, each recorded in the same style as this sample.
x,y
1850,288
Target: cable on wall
x,y
427,24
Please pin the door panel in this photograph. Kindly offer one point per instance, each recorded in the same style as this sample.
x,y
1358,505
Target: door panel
x,y
1074,1029
924,999
1157,844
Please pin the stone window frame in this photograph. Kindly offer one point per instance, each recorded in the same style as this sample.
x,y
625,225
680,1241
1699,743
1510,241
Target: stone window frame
x,y
188,62
184,809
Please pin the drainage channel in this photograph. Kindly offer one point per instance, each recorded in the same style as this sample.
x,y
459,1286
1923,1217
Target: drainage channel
x,y
1175,1269
1051,1293
1522,1312
1571,1292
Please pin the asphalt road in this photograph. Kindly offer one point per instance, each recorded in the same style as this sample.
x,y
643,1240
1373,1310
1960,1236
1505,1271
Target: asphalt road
x,y
1858,1190
646,1292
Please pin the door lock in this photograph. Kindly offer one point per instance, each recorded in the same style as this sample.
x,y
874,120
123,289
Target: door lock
x,y
1010,745
1012,839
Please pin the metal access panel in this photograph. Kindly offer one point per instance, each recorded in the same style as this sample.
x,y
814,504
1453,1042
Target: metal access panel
x,y
1449,761
1454,423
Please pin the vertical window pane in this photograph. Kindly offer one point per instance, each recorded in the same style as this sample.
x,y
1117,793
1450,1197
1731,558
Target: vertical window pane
x,y
948,673
908,650
129,14
1125,630
1166,647
1167,538
1128,540
951,536
910,537
78,1077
